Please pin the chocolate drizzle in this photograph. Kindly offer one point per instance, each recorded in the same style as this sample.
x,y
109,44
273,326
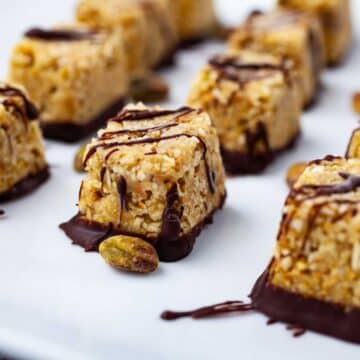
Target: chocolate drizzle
x,y
351,183
171,223
141,115
117,144
110,134
209,311
234,69
31,111
122,187
60,35
259,136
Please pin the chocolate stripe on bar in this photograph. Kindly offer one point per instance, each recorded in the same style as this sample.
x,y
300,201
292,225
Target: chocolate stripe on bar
x,y
137,115
9,91
60,35
351,183
209,173
122,187
233,68
110,134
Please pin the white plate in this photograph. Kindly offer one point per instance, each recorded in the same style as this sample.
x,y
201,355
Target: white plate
x,y
57,302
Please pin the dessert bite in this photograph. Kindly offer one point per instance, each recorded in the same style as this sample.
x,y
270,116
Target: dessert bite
x,y
77,78
195,20
335,18
313,280
255,104
22,162
148,28
291,35
154,174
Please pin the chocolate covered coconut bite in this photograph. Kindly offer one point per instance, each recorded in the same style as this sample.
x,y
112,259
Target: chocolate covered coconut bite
x,y
313,280
152,173
336,21
22,162
77,78
148,28
291,35
255,104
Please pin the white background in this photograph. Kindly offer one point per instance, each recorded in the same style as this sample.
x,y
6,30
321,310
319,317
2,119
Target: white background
x,y
57,302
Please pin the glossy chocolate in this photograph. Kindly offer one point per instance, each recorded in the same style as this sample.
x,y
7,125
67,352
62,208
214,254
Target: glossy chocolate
x,y
209,311
307,313
89,235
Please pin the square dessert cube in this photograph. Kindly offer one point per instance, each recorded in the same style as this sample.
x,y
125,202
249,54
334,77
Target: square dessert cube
x,y
195,20
336,21
291,35
148,28
313,280
77,78
22,162
152,173
353,150
255,104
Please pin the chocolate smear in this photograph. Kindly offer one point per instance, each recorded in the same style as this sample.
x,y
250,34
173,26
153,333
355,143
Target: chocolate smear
x,y
209,311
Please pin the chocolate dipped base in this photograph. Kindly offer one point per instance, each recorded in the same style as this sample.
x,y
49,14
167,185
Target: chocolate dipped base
x,y
25,186
90,235
68,132
319,316
238,163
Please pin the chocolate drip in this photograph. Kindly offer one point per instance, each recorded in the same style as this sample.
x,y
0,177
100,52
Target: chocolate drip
x,y
171,224
31,111
2,212
122,187
60,35
111,134
296,330
102,176
209,173
137,115
259,136
209,311
232,68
